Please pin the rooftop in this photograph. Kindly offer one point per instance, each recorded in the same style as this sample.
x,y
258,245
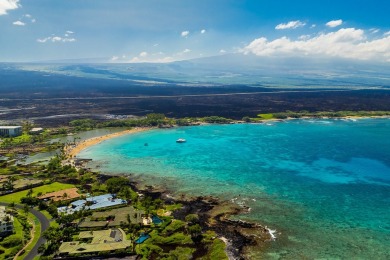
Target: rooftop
x,y
61,195
102,201
116,216
36,129
9,127
103,240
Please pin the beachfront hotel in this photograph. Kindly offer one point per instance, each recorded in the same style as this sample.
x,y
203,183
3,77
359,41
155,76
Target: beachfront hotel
x,y
6,223
10,131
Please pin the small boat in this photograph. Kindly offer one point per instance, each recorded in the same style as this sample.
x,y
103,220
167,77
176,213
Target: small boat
x,y
181,140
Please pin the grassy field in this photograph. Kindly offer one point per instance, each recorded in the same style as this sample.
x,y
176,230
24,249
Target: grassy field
x,y
15,197
266,116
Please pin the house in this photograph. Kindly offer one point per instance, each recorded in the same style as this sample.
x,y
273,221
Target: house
x,y
6,223
10,131
96,242
62,195
36,130
113,218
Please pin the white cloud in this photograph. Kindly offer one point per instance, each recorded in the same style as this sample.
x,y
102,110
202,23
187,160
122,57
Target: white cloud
x,y
386,33
56,39
6,5
203,31
185,33
143,54
313,26
181,53
304,37
151,60
345,43
222,51
334,23
114,58
24,20
19,23
374,30
290,25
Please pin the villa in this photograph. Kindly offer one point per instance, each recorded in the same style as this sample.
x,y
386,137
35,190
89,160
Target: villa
x,y
113,218
92,203
96,242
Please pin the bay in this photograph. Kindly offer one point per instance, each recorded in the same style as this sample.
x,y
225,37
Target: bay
x,y
324,185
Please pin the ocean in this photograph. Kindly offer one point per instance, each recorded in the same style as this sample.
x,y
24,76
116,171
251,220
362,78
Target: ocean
x,y
323,185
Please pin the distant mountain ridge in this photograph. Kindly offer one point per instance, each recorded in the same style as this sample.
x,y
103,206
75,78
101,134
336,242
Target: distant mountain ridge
x,y
232,69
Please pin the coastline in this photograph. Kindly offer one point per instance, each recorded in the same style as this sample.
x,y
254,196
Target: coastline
x,y
239,236
71,151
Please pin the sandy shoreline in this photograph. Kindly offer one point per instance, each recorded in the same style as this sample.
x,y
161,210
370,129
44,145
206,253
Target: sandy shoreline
x,y
72,150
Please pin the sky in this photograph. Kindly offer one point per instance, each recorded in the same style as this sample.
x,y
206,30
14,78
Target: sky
x,y
170,30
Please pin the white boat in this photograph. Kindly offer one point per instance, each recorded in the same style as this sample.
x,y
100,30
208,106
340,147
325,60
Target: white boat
x,y
181,140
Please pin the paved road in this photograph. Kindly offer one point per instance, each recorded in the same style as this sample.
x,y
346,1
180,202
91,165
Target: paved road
x,y
44,225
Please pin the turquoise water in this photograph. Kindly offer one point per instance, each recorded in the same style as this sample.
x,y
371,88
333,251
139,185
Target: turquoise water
x,y
324,185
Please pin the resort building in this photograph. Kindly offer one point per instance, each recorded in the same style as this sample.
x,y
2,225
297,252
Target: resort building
x,y
10,131
92,203
6,223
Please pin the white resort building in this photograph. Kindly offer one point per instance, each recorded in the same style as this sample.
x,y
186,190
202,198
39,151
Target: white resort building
x,y
6,223
10,130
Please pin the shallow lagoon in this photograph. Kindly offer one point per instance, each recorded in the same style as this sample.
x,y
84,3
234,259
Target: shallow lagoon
x,y
324,185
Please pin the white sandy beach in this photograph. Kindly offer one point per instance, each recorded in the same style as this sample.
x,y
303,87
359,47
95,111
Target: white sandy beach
x,y
72,151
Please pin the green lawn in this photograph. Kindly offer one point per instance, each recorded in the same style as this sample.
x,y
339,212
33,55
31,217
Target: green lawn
x,y
47,214
266,116
15,197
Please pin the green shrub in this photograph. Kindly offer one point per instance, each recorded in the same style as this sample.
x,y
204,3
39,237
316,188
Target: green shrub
x,y
217,250
176,225
180,253
11,241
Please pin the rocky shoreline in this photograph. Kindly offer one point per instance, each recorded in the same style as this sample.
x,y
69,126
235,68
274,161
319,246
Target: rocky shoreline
x,y
214,214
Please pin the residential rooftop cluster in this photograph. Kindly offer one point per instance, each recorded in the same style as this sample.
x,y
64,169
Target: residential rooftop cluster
x,y
91,203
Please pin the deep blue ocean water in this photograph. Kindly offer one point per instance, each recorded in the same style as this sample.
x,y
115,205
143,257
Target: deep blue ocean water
x,y
324,185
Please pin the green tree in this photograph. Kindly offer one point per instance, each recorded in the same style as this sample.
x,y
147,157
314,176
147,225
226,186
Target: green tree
x,y
192,219
195,230
246,119
115,184
9,184
27,126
